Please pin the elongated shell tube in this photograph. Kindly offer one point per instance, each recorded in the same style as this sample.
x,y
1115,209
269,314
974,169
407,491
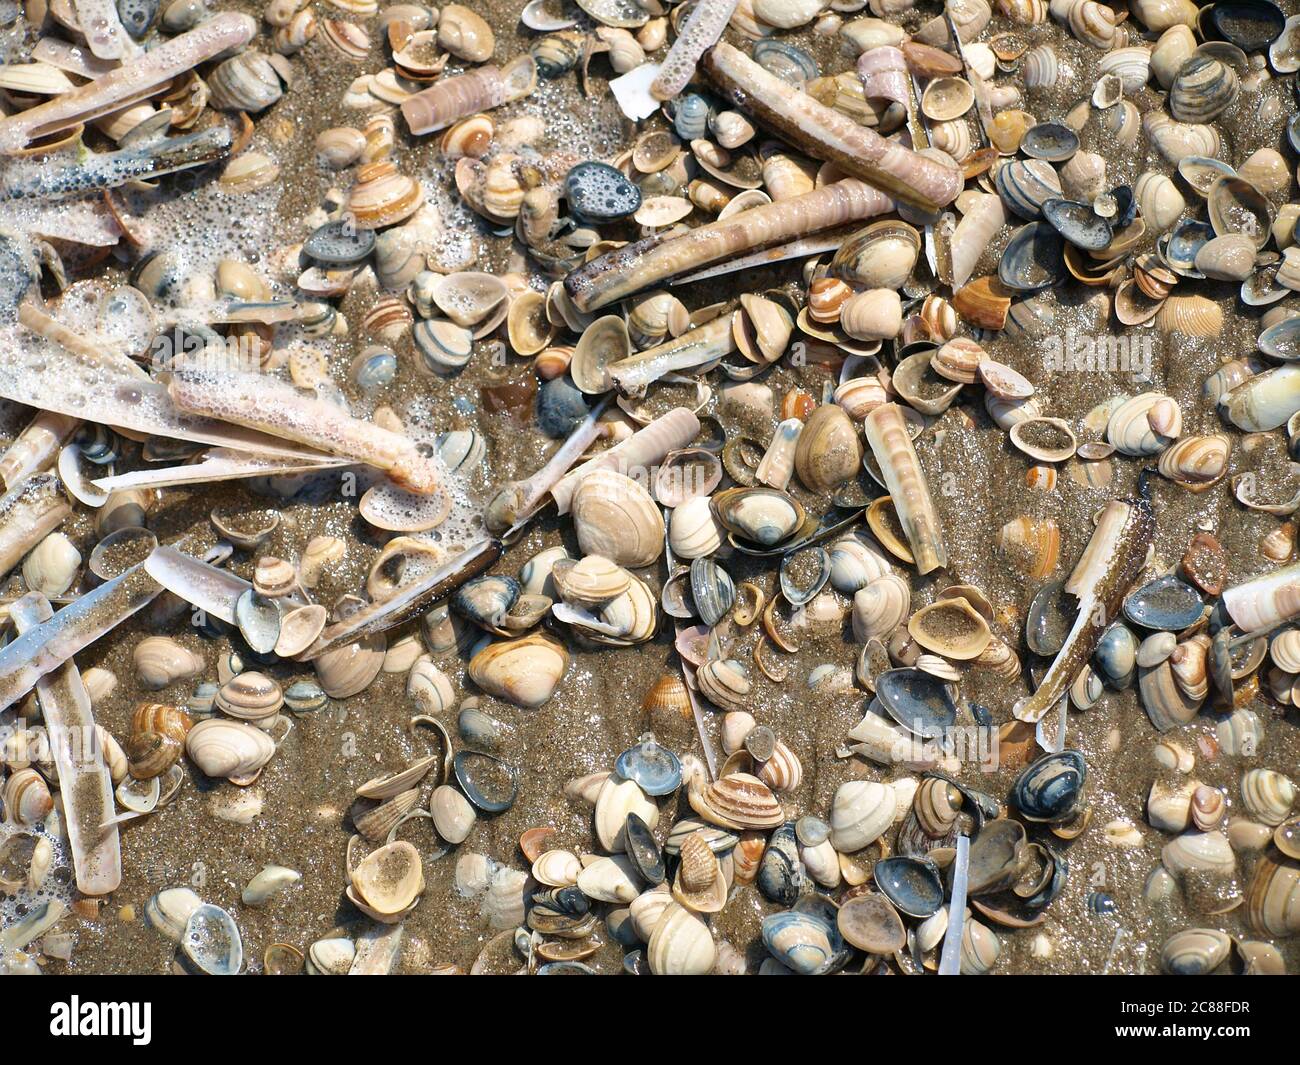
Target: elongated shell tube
x,y
276,408
128,83
830,136
448,100
36,447
691,350
28,513
703,27
634,456
1266,601
84,780
886,432
648,262
1109,564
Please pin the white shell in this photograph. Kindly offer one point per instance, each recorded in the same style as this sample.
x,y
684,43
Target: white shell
x,y
860,813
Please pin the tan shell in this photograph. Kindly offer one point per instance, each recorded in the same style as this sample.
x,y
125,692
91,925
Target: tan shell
x,y
1033,544
880,607
681,944
250,696
952,628
617,799
737,801
453,816
375,822
523,671
700,884
160,661
861,811
389,880
465,34
230,749
27,799
615,516
829,451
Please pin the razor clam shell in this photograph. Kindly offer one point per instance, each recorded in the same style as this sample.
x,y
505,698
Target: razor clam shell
x,y
83,776
886,432
217,464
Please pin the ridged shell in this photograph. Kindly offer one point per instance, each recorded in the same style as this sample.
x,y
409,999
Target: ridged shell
x,y
860,813
1196,462
1132,426
880,607
615,516
229,749
737,801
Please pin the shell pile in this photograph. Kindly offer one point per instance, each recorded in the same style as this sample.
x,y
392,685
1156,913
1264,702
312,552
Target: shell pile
x,y
784,462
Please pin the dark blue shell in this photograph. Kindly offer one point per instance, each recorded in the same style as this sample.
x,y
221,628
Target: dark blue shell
x,y
598,192
653,767
1049,789
921,703
1166,603
911,884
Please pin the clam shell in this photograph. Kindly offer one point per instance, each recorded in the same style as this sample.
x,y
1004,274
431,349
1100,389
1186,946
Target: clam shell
x,y
523,671
680,944
861,811
616,517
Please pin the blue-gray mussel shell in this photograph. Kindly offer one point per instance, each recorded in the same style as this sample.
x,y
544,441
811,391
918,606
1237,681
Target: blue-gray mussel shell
x,y
921,703
1078,223
1166,603
489,783
780,873
1116,655
598,192
643,850
1034,259
911,884
339,243
1049,789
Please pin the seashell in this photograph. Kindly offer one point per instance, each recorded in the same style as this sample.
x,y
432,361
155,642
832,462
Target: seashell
x,y
724,682
1174,46
1024,184
1159,201
1093,23
880,607
267,882
736,801
861,811
229,749
524,671
855,563
1034,544
946,99
1194,952
1273,899
802,942
616,517
382,197
1040,67
387,883
250,696
169,910
1268,795
1131,427
1237,207
1196,462
27,799
1193,316
880,256
51,566
763,516
783,771
612,880
1044,439
950,627
212,942
1131,65
680,944
829,450
876,314
249,81
465,34
1176,140
1049,789
453,815
1203,89
160,661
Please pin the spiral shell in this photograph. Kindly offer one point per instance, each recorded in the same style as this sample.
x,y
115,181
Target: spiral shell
x,y
27,799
